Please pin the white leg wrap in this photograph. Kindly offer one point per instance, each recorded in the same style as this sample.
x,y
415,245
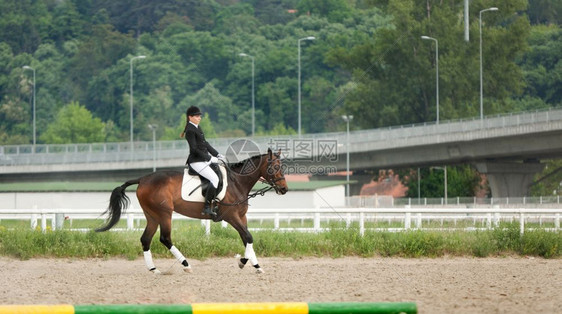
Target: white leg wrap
x,y
148,260
250,254
177,254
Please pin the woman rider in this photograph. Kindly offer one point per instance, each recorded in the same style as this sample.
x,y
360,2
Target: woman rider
x,y
201,155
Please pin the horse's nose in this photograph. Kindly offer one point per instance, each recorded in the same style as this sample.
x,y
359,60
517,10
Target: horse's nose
x,y
283,189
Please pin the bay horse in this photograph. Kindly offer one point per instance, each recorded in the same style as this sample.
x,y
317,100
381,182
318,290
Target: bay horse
x,y
159,195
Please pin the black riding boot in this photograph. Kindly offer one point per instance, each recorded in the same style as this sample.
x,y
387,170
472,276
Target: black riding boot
x,y
209,197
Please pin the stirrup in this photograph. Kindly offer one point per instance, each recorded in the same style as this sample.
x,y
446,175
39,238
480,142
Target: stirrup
x,y
209,210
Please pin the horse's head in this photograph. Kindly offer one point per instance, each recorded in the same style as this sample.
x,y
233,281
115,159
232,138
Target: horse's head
x,y
274,172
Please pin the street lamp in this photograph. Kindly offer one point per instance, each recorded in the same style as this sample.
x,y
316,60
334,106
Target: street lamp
x,y
347,119
153,127
131,97
436,72
253,97
299,92
26,67
481,88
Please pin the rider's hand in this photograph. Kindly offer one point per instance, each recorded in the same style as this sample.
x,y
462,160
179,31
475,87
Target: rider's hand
x,y
214,160
221,157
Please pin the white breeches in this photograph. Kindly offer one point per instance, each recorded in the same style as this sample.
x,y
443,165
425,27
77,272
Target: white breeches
x,y
203,169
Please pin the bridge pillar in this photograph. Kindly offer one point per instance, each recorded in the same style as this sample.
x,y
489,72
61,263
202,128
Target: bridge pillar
x,y
510,179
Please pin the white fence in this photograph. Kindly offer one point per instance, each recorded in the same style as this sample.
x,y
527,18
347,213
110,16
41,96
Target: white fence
x,y
407,218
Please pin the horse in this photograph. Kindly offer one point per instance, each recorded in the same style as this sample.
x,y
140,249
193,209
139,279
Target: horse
x,y
159,195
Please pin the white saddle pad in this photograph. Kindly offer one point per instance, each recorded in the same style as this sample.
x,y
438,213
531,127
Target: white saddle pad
x,y
191,183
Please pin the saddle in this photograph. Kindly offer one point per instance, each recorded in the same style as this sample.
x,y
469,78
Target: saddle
x,y
194,186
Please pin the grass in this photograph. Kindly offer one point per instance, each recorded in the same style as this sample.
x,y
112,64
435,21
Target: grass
x,y
23,243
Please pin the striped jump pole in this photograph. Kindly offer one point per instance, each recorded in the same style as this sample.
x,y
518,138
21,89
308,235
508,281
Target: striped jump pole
x,y
215,308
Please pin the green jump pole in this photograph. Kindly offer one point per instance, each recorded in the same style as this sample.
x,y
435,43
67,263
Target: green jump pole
x,y
362,308
133,309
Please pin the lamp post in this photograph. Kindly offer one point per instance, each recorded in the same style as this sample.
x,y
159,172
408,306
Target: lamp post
x,y
481,88
436,73
153,127
253,97
299,90
26,67
131,97
347,119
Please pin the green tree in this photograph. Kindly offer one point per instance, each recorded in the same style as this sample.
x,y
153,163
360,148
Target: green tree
x,y
235,19
24,24
212,102
545,12
96,53
74,124
395,71
549,181
333,10
462,181
542,66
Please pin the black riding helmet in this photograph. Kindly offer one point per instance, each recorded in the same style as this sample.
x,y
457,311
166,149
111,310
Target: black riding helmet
x,y
193,111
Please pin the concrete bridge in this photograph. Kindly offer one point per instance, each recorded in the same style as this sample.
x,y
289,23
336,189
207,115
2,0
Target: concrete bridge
x,y
508,148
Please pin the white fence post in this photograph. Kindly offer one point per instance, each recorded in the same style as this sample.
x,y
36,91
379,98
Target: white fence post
x,y
43,222
497,218
59,221
276,221
33,221
521,223
419,221
362,223
407,220
54,222
130,221
488,221
207,227
557,221
317,221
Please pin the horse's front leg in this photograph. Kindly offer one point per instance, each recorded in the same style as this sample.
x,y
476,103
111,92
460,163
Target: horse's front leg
x,y
250,255
248,240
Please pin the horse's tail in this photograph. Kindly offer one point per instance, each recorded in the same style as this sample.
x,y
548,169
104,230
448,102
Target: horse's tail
x,y
118,202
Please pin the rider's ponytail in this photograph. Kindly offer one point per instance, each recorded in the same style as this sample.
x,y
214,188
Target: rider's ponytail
x,y
182,134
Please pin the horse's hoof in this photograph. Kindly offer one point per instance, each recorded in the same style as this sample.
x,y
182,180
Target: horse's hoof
x,y
155,271
259,271
188,269
242,262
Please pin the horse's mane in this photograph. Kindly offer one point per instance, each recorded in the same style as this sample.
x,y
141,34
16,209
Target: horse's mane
x,y
236,166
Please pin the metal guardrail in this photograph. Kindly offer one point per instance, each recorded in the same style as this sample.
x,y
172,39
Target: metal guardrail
x,y
391,137
458,202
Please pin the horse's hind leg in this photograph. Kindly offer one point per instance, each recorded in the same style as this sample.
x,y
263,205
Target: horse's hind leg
x,y
166,239
146,239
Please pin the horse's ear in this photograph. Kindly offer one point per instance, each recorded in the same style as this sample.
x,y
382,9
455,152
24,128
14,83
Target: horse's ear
x,y
269,153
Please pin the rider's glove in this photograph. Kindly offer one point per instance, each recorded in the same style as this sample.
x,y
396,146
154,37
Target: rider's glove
x,y
221,157
214,160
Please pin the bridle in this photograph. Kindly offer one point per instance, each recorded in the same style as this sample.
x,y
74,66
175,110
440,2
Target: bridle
x,y
270,178
270,181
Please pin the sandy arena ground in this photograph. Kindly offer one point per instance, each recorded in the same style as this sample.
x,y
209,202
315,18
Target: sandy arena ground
x,y
442,285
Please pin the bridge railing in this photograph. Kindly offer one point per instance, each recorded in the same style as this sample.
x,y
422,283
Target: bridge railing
x,y
404,135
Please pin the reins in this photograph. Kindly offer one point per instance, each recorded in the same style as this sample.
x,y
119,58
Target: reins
x,y
260,192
